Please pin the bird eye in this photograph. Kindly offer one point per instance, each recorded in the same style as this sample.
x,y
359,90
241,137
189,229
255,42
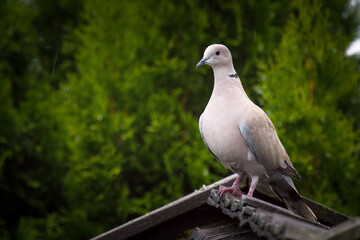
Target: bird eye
x,y
217,53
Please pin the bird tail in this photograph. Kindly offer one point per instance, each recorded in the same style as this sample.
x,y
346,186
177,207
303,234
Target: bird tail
x,y
286,190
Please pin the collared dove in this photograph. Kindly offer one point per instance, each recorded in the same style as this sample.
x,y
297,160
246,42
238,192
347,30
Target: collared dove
x,y
242,137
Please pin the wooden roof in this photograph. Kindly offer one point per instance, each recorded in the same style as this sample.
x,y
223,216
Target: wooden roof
x,y
203,214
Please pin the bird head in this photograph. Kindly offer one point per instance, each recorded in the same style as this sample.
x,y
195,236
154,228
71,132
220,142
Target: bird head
x,y
216,55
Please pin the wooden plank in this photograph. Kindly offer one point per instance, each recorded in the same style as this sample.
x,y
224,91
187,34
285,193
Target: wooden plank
x,y
326,215
259,204
228,229
160,215
349,230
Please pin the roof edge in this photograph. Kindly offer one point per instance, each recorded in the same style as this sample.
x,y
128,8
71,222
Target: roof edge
x,y
164,213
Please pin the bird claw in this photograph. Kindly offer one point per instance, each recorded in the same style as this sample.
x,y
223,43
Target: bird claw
x,y
232,190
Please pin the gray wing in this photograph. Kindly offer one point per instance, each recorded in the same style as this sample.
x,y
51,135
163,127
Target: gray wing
x,y
260,134
202,136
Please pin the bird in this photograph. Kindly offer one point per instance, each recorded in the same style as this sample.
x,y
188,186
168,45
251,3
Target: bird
x,y
242,137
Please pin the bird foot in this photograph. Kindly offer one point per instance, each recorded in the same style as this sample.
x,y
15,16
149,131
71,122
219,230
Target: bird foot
x,y
233,190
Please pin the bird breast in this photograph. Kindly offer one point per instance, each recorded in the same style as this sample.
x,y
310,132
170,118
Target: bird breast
x,y
222,135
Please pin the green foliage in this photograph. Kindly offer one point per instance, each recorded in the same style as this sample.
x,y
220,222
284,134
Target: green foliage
x,y
100,104
132,130
33,138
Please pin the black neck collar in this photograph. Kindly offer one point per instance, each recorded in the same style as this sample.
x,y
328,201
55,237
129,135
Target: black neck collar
x,y
234,75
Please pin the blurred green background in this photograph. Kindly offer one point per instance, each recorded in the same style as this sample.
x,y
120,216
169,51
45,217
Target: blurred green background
x,y
99,104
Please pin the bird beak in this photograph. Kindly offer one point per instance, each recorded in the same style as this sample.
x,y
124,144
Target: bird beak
x,y
202,62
